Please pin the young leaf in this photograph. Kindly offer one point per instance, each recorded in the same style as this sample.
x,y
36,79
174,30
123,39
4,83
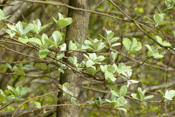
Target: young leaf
x,y
113,55
23,39
135,96
123,91
164,43
10,32
154,53
28,28
110,34
2,17
36,41
37,26
148,97
43,53
44,43
72,46
133,46
73,60
98,101
13,91
19,27
73,101
109,77
121,101
169,94
123,109
114,90
57,37
141,93
158,18
169,3
37,104
62,22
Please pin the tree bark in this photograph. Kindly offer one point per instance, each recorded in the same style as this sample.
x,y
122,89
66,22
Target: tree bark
x,y
78,31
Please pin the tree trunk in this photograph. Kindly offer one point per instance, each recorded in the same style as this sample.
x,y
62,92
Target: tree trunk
x,y
78,31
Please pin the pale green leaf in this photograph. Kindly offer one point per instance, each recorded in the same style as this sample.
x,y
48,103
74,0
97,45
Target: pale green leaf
x,y
123,90
43,53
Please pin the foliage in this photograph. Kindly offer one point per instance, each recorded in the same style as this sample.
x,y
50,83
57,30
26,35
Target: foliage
x,y
102,61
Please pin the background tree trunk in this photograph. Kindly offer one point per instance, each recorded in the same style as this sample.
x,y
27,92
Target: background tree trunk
x,y
78,31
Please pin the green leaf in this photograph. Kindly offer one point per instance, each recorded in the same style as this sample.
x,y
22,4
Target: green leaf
x,y
43,27
73,60
3,94
164,43
57,37
44,43
19,27
141,93
154,53
114,39
93,56
123,109
36,41
114,90
98,101
23,39
148,97
99,59
62,22
158,18
164,22
116,44
169,94
123,90
112,102
135,96
110,34
113,55
2,17
169,3
99,45
133,81
94,44
109,77
122,68
65,88
63,47
89,63
127,43
18,70
60,56
1,14
73,101
24,91
111,68
51,42
173,33
37,25
72,46
133,46
28,28
13,91
37,104
11,27
10,32
91,69
43,53
121,101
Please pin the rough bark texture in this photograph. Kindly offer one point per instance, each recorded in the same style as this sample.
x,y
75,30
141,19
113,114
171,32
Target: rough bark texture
x,y
78,31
